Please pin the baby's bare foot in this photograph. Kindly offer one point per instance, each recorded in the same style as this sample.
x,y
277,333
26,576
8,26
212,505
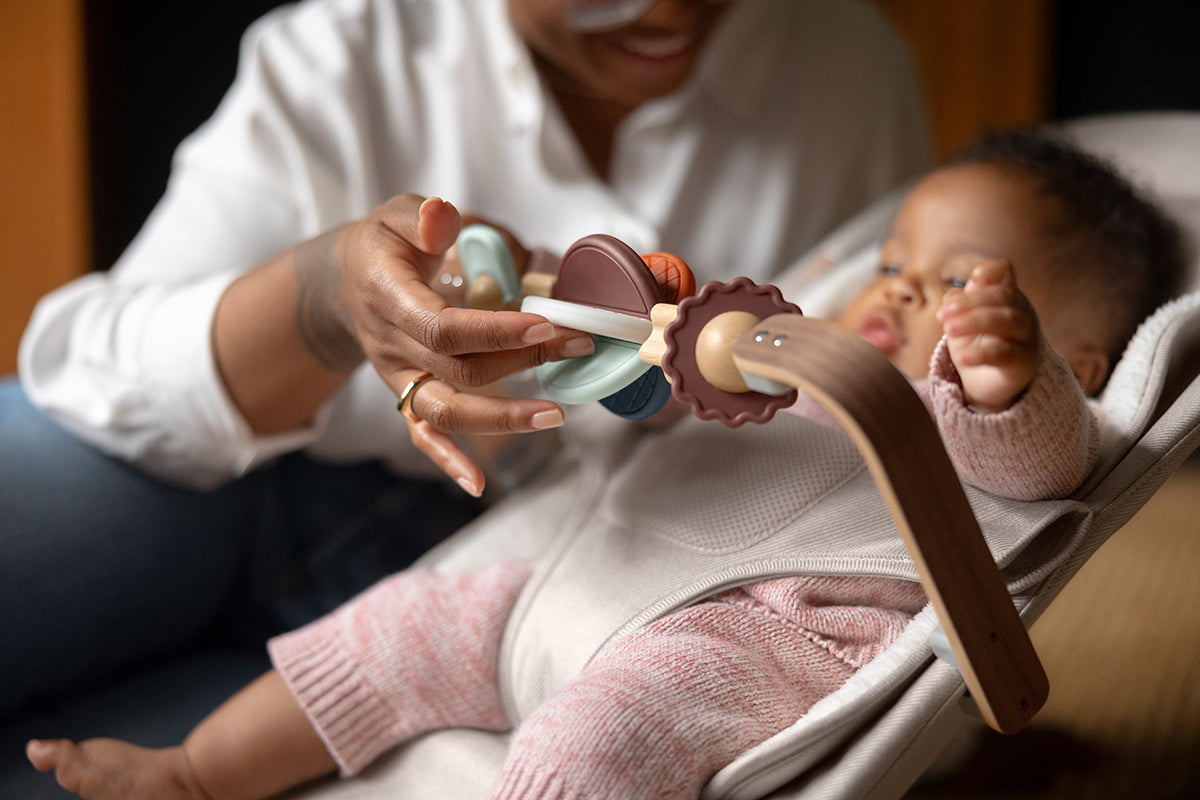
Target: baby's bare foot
x,y
110,769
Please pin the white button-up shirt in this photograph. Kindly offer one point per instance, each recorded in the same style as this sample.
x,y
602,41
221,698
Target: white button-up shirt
x,y
799,113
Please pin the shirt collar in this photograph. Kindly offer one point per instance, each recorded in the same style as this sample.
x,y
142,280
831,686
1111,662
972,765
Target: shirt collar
x,y
512,65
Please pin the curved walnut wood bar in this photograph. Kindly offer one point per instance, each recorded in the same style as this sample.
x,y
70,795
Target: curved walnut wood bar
x,y
895,434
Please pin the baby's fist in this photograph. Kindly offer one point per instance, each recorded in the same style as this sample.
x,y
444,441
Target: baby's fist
x,y
993,336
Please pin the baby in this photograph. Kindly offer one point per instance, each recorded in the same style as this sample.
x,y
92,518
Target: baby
x,y
1008,286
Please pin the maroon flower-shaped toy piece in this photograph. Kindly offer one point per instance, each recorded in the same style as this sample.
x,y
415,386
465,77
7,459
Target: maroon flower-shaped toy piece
x,y
697,358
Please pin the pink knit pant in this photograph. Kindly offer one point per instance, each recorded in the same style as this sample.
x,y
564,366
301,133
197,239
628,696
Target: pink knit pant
x,y
654,716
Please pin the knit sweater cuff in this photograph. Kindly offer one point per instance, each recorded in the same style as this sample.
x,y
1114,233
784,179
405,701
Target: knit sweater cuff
x,y
529,782
1042,447
349,715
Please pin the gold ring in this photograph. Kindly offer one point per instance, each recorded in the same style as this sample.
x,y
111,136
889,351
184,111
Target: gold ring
x,y
406,396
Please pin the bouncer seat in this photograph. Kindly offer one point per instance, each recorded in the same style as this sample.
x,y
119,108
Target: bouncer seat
x,y
612,557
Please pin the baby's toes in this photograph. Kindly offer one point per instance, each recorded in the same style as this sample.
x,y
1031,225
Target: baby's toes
x,y
98,769
44,754
66,758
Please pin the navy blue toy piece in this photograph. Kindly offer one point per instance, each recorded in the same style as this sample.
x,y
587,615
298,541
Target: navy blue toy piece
x,y
641,399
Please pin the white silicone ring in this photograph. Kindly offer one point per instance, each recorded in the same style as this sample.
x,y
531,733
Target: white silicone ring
x,y
598,321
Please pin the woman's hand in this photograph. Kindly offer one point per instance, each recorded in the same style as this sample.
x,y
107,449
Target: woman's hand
x,y
435,408
289,333
409,331
994,336
386,262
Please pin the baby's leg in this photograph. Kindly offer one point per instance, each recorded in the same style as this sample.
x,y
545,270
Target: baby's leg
x,y
661,711
416,652
255,745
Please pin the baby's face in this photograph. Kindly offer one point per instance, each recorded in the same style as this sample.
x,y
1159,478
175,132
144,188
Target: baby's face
x,y
950,221
647,58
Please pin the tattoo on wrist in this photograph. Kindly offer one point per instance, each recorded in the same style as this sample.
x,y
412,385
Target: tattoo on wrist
x,y
321,319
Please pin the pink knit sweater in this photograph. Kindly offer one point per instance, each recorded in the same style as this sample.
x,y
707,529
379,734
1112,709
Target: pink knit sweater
x,y
662,710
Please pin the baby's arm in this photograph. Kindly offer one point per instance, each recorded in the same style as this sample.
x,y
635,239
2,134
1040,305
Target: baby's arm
x,y
1041,437
993,335
1041,447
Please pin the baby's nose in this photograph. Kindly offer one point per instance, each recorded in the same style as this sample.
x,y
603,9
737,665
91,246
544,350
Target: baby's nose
x,y
904,292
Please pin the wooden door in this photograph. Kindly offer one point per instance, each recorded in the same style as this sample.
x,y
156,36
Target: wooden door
x,y
43,176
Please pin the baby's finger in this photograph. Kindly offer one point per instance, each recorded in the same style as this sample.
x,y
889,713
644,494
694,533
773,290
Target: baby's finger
x,y
992,272
958,302
976,351
992,289
1005,321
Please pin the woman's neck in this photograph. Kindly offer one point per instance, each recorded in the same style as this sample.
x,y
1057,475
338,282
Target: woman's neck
x,y
593,119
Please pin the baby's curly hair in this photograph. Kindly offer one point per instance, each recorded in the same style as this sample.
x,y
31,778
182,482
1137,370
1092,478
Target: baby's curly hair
x,y
1121,236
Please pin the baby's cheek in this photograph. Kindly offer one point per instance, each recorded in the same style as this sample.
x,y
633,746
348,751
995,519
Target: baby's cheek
x,y
913,361
926,341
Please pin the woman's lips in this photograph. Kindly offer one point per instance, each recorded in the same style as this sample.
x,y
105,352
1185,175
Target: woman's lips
x,y
655,47
883,333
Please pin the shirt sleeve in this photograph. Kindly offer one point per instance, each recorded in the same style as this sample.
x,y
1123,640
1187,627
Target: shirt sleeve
x,y
123,358
130,369
1041,448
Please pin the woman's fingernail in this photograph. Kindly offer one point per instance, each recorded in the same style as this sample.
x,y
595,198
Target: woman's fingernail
x,y
425,204
469,487
547,419
579,346
542,332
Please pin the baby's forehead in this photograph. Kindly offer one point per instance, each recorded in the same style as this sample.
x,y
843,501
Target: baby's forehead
x,y
970,178
987,209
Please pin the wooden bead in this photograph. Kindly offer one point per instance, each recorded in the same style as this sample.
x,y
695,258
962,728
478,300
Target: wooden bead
x,y
538,284
484,293
714,349
655,346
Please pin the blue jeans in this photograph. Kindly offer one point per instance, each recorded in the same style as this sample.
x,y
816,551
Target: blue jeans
x,y
109,577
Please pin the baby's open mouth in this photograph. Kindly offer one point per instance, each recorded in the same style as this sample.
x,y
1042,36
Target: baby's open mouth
x,y
882,333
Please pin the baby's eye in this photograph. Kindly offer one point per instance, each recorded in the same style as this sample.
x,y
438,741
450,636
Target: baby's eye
x,y
889,270
956,283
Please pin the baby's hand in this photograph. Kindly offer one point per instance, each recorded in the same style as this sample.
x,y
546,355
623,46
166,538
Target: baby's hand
x,y
993,334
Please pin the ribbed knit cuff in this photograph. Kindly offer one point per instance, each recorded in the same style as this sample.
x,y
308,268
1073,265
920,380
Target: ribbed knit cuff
x,y
532,783
1042,447
347,713
415,652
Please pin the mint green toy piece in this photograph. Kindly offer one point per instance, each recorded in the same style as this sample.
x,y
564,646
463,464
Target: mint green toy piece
x,y
482,250
575,381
